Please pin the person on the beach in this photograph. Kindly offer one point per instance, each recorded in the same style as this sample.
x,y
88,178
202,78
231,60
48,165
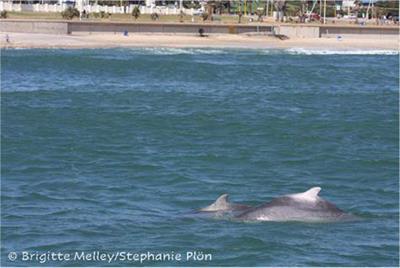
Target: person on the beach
x,y
7,38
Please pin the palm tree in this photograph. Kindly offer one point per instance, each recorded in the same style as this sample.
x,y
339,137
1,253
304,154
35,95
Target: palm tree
x,y
356,8
210,8
136,12
280,6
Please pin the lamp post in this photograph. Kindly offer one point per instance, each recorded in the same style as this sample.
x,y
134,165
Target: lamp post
x,y
320,8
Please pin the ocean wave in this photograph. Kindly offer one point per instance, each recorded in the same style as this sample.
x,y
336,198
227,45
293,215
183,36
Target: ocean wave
x,y
291,51
177,51
124,53
304,51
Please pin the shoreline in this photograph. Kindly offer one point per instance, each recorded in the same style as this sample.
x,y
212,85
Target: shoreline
x,y
242,41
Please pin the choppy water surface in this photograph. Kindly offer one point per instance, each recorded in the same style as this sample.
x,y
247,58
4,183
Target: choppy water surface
x,y
108,150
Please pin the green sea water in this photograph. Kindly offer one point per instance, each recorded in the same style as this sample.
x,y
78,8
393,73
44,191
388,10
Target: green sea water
x,y
109,151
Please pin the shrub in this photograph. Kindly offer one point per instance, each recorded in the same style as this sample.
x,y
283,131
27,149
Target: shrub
x,y
191,4
69,13
204,16
4,14
154,16
240,17
181,16
260,14
103,15
136,12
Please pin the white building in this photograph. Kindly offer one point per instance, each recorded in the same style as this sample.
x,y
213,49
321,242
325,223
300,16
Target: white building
x,y
60,5
348,4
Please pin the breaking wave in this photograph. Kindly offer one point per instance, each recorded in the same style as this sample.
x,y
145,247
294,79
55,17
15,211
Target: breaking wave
x,y
304,51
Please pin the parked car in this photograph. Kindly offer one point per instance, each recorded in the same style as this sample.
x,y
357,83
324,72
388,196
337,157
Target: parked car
x,y
351,17
198,12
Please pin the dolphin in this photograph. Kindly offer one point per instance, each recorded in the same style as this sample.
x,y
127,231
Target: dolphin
x,y
223,206
304,207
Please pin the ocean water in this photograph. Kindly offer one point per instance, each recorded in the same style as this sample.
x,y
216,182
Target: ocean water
x,y
107,151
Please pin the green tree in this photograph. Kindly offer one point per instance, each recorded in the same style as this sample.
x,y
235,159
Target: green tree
x,y
260,14
136,12
191,4
154,16
69,13
181,16
357,7
4,14
211,5
280,6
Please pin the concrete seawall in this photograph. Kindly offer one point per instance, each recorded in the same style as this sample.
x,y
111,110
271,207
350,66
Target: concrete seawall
x,y
51,27
371,31
315,31
298,31
67,27
165,28
290,30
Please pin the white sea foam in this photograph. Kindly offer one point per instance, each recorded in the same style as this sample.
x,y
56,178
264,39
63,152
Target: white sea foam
x,y
177,51
196,51
304,51
292,51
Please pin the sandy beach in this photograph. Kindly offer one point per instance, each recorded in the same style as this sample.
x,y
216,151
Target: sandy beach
x,y
108,40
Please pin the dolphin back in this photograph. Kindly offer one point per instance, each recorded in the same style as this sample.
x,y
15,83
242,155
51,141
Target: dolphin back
x,y
305,207
222,204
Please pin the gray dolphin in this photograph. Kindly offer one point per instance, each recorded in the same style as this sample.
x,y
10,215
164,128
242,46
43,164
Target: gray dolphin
x,y
305,207
222,205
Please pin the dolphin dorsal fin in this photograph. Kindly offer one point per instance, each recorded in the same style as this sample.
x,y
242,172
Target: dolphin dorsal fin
x,y
309,195
312,192
221,203
222,200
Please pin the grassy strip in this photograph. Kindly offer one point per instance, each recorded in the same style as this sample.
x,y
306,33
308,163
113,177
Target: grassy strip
x,y
125,17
